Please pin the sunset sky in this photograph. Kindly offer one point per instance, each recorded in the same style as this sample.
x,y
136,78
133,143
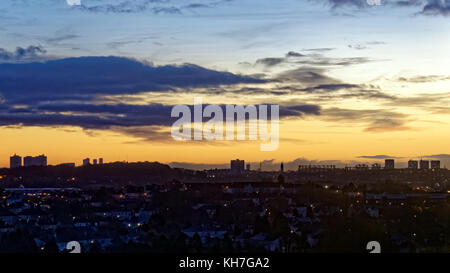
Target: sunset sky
x,y
355,83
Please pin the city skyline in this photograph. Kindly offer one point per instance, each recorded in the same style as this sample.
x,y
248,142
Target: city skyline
x,y
352,80
242,165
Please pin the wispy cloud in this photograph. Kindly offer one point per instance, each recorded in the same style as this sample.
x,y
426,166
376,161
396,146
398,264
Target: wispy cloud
x,y
377,156
137,6
315,59
424,78
437,156
376,121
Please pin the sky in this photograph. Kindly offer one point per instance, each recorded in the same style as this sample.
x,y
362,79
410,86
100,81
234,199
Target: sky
x,y
356,83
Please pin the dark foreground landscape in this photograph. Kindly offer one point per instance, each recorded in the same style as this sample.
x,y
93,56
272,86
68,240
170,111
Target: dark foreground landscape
x,y
151,207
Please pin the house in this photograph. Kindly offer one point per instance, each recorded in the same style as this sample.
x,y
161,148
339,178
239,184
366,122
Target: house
x,y
373,211
205,232
8,217
312,238
46,223
144,215
31,214
265,241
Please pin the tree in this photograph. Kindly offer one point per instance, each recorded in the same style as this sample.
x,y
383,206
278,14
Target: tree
x,y
197,243
280,225
180,243
95,248
51,247
261,225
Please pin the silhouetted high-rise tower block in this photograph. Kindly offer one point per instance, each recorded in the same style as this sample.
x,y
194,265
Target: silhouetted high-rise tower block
x,y
30,161
15,161
413,164
435,164
237,166
424,164
389,164
86,161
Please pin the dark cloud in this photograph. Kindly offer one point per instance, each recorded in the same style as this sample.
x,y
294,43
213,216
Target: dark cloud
x,y
352,3
68,92
90,76
61,38
136,6
196,5
294,54
135,40
314,59
331,87
320,49
126,7
320,87
153,114
299,110
30,53
306,75
142,134
328,61
363,93
166,10
136,120
304,81
87,116
358,47
364,3
408,3
247,90
428,7
84,116
270,61
436,7
126,115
